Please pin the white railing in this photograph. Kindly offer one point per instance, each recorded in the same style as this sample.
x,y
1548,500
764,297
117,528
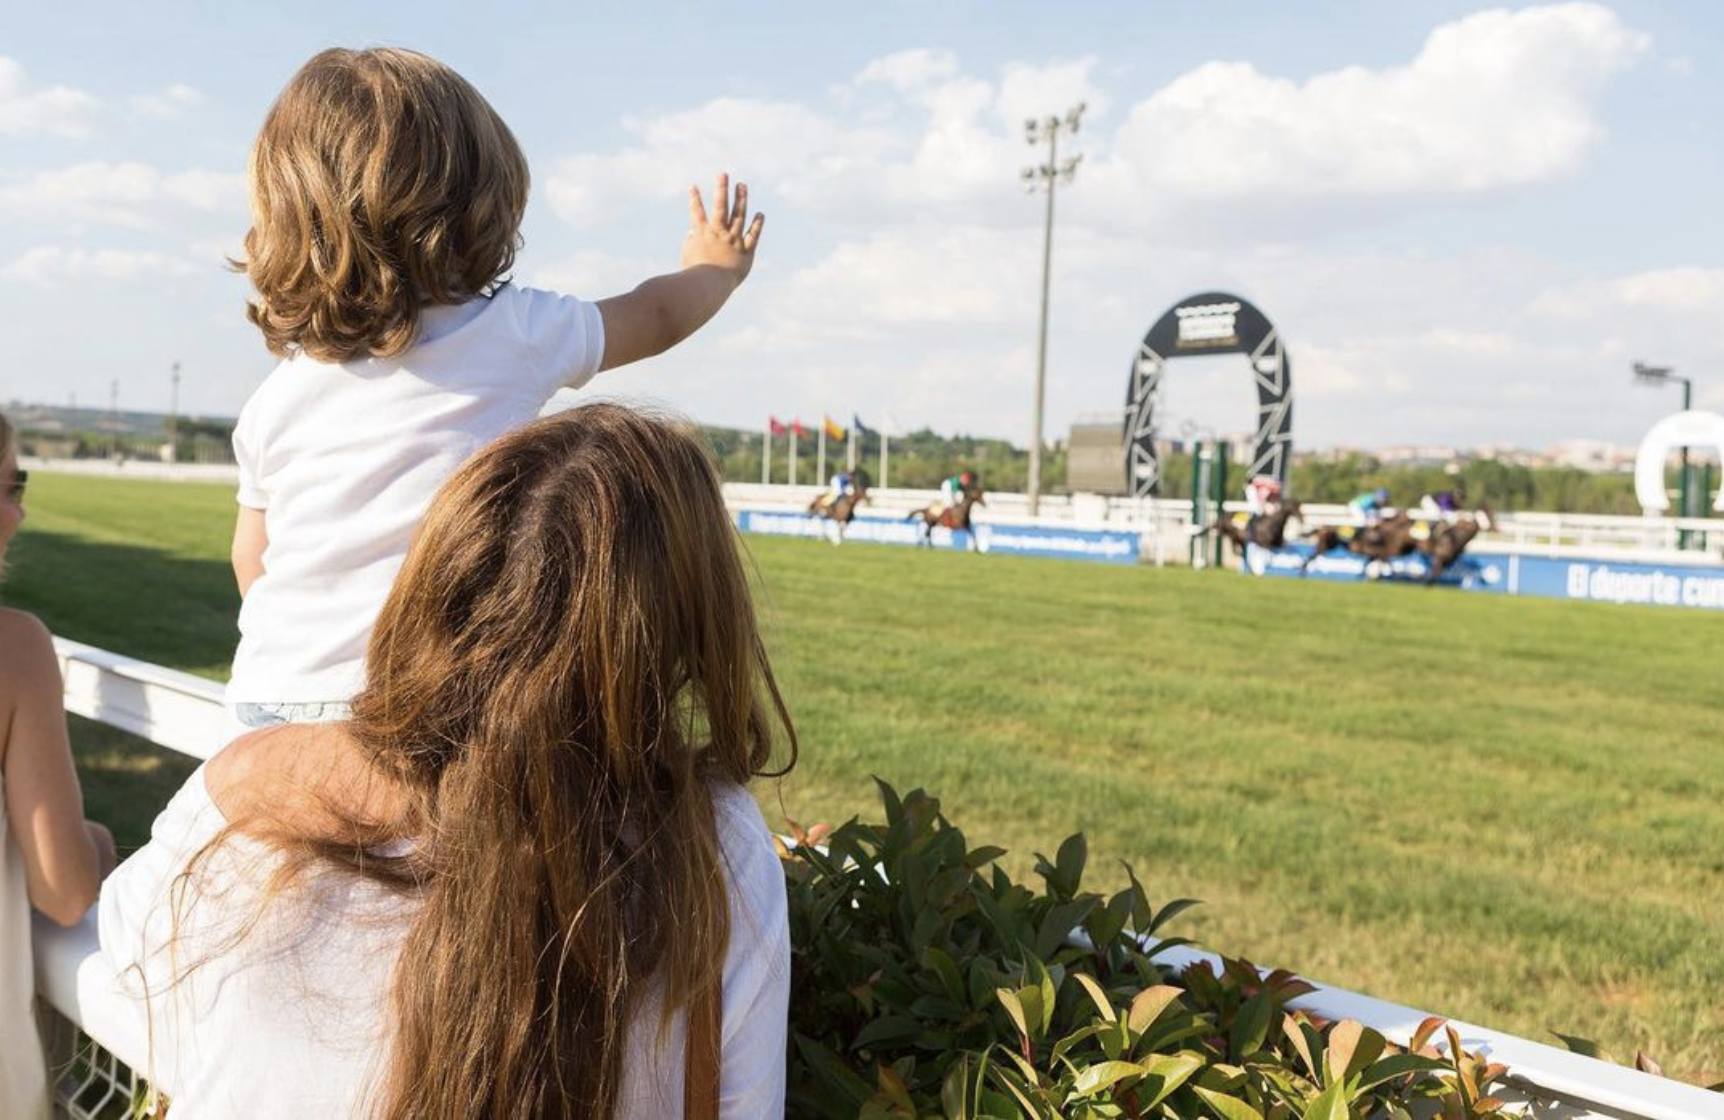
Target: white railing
x,y
96,1037
1159,520
1164,524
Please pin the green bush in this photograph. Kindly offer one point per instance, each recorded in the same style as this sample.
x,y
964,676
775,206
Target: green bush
x,y
925,982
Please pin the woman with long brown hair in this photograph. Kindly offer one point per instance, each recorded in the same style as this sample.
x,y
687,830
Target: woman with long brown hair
x,y
514,882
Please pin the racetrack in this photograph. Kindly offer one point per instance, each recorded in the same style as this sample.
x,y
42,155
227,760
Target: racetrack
x,y
1503,809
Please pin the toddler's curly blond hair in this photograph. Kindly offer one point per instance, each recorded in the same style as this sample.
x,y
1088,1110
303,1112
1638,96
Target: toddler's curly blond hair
x,y
381,181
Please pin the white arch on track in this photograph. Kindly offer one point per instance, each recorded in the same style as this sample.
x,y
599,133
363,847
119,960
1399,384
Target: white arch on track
x,y
1680,429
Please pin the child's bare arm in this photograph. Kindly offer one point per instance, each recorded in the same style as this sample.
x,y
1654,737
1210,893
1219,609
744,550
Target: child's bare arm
x,y
716,258
250,538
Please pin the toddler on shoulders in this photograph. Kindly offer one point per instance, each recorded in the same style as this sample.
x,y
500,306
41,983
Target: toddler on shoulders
x,y
387,198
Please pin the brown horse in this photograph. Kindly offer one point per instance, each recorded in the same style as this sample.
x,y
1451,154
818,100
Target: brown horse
x,y
842,510
1379,544
1268,530
955,518
1447,542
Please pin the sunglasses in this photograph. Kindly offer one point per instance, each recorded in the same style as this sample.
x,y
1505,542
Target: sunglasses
x,y
19,480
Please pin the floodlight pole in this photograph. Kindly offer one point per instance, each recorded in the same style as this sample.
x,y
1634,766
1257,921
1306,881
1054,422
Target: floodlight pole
x,y
1047,174
1664,375
174,414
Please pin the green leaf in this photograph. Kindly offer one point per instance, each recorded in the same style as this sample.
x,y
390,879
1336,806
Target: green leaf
x,y
1015,1008
1397,1065
942,965
1330,1104
888,1028
957,1090
1101,1076
1251,1026
1293,1030
1172,909
1162,1074
1103,1005
893,1086
1147,1006
981,857
1072,856
1228,1108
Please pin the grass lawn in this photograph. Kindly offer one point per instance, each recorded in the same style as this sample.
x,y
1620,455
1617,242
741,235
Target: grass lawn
x,y
1508,811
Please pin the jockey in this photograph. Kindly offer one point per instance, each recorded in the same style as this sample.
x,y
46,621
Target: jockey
x,y
1444,505
952,490
1367,509
1262,495
840,484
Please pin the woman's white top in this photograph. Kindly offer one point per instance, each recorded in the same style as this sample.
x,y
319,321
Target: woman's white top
x,y
23,1078
290,1019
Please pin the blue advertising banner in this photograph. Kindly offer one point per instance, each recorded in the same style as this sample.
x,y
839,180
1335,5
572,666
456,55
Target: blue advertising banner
x,y
1013,540
1597,581
1488,573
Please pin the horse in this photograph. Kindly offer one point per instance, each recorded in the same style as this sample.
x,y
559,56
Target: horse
x,y
955,518
1265,530
1447,542
841,510
1379,544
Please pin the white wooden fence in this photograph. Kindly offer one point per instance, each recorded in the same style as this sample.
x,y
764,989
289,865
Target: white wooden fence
x,y
96,1039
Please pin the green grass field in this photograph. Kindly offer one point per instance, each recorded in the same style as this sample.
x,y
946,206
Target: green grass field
x,y
1509,811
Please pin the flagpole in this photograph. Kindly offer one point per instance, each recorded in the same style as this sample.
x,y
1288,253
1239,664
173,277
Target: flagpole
x,y
850,446
820,455
766,454
884,439
795,428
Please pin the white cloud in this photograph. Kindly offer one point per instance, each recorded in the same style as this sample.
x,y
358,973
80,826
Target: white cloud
x,y
911,70
593,275
1495,100
168,104
128,194
29,110
1681,291
50,265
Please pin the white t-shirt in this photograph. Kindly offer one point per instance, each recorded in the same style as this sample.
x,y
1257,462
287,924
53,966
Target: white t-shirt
x,y
289,1021
344,460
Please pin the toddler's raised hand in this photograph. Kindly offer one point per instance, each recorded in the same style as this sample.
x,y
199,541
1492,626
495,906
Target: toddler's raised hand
x,y
725,239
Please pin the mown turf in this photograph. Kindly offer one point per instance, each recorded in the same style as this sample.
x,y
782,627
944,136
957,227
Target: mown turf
x,y
1510,811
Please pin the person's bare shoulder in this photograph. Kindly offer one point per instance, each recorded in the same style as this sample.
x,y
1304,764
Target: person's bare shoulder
x,y
26,650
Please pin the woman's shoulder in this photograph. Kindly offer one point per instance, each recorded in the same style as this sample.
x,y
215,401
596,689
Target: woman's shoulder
x,y
26,646
18,627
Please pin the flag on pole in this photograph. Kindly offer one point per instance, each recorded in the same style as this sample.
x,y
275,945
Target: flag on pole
x,y
833,431
796,428
856,422
776,426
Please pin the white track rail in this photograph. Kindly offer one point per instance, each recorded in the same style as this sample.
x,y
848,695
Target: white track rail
x,y
85,1014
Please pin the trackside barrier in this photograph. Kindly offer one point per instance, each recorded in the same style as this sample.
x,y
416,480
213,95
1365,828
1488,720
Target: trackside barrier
x,y
96,1038
1698,586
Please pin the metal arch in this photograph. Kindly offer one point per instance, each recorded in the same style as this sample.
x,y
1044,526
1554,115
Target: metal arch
x,y
1210,323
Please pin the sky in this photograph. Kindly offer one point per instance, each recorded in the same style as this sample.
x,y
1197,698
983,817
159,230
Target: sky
x,y
1466,222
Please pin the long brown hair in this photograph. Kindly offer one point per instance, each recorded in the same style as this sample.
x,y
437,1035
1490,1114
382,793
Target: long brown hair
x,y
568,658
380,181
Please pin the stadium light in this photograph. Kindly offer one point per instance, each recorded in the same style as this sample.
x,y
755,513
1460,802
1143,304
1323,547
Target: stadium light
x,y
1665,375
1046,174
